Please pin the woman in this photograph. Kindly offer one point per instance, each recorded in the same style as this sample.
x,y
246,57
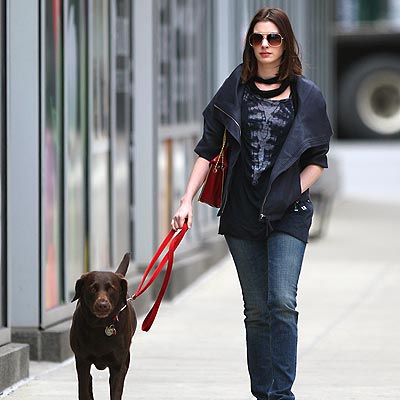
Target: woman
x,y
278,136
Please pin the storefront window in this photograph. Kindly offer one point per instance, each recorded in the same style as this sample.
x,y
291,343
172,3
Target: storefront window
x,y
84,188
123,127
76,135
182,55
52,153
100,227
184,49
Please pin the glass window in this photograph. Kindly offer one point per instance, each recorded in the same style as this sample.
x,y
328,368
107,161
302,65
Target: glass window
x,y
75,52
52,154
184,89
123,127
183,27
100,232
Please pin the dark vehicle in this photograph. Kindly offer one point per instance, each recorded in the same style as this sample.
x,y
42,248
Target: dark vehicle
x,y
367,34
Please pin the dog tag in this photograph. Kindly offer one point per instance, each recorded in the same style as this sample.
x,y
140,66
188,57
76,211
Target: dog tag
x,y
110,330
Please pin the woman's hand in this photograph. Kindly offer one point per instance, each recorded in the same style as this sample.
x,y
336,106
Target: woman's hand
x,y
309,176
185,210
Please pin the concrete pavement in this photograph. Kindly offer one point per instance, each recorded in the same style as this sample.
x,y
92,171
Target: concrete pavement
x,y
349,326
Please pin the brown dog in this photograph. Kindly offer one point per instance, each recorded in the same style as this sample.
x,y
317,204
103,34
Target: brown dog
x,y
102,328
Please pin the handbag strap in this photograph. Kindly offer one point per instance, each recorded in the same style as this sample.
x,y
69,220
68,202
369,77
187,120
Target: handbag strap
x,y
173,241
221,153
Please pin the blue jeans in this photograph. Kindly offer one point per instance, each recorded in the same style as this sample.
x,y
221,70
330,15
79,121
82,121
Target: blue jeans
x,y
268,272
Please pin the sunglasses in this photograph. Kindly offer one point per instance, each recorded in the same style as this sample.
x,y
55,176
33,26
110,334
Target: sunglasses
x,y
273,39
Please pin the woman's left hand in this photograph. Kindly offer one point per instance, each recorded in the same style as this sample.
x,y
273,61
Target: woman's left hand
x,y
309,176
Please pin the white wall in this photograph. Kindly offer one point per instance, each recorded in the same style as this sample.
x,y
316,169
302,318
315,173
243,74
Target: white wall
x,y
369,170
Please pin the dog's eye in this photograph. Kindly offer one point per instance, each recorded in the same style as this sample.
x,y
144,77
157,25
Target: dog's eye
x,y
110,288
94,288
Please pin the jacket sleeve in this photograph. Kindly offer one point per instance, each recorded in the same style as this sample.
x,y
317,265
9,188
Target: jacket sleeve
x,y
314,114
315,156
211,142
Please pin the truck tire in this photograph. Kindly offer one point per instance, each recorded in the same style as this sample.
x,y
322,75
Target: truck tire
x,y
369,99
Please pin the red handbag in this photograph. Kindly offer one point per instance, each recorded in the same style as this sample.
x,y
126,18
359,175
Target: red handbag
x,y
211,192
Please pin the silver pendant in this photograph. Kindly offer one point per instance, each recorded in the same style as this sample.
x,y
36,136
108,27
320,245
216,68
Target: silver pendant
x,y
110,330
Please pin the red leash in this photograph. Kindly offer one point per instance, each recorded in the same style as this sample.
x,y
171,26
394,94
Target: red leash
x,y
173,241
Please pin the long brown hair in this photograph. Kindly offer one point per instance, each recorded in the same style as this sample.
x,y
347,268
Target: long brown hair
x,y
290,62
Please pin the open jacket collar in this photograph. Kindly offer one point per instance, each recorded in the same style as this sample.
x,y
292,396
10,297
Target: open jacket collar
x,y
310,127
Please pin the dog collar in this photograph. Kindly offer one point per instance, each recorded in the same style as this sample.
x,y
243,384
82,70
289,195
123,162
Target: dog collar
x,y
111,330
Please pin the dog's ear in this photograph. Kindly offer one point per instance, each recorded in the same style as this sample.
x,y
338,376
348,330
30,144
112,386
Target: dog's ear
x,y
124,289
123,266
78,287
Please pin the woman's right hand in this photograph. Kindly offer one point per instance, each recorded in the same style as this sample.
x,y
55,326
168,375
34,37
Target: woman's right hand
x,y
184,213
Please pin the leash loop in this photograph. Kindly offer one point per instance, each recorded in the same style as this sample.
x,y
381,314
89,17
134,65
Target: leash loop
x,y
173,239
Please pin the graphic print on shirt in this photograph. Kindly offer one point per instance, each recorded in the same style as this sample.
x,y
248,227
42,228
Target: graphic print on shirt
x,y
266,129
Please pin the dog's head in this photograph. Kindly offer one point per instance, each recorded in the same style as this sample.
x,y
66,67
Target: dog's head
x,y
101,291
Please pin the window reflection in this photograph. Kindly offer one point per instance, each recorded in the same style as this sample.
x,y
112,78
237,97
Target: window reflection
x,y
123,128
76,132
184,81
183,59
100,239
52,153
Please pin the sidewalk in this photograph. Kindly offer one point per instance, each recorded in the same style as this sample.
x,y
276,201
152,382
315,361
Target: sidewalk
x,y
349,327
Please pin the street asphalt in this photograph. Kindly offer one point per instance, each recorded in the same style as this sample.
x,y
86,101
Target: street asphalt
x,y
349,326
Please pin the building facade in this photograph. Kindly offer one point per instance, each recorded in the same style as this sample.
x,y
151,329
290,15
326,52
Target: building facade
x,y
100,110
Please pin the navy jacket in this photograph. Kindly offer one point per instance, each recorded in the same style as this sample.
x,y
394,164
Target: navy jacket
x,y
310,128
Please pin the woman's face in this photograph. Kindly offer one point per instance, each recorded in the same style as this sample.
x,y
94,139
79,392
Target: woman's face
x,y
264,53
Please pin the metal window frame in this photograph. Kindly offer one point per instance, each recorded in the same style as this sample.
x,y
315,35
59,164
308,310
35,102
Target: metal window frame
x,y
145,143
23,255
5,332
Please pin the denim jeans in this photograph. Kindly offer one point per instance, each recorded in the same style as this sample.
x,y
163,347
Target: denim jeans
x,y
268,272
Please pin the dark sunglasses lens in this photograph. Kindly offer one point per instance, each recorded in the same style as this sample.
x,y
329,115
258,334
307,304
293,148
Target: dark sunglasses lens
x,y
274,39
256,39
